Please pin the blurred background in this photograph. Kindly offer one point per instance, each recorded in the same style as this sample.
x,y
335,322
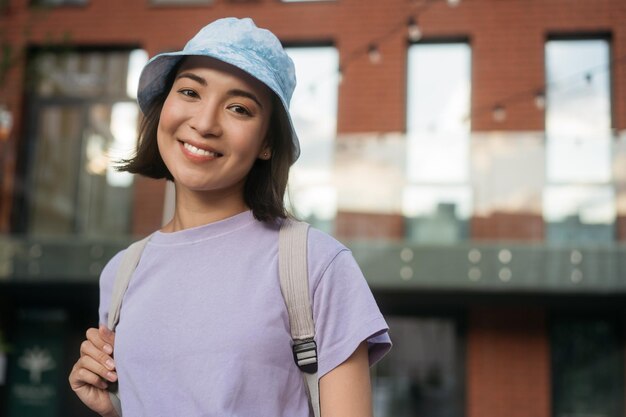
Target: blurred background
x,y
471,153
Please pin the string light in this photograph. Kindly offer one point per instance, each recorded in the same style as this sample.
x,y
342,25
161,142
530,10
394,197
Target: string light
x,y
540,99
498,113
414,33
374,54
413,29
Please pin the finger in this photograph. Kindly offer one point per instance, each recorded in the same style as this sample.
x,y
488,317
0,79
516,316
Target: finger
x,y
90,364
94,336
107,336
80,377
87,348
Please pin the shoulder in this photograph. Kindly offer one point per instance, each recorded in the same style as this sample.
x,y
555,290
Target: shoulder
x,y
327,258
322,246
107,282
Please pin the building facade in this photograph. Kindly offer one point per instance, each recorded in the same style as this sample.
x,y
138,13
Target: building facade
x,y
471,153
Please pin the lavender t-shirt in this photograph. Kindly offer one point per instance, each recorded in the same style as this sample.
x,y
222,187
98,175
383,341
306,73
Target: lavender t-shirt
x,y
204,329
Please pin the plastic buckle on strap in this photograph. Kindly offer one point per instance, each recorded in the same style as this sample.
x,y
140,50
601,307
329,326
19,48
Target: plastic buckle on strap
x,y
305,355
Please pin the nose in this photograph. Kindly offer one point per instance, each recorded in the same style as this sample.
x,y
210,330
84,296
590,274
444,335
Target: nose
x,y
206,120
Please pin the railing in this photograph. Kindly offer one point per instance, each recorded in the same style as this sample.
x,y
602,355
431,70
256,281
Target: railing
x,y
471,266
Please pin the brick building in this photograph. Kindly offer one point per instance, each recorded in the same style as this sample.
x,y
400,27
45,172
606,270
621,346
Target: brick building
x,y
471,153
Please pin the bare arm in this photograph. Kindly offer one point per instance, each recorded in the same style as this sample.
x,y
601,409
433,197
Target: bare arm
x,y
346,390
94,370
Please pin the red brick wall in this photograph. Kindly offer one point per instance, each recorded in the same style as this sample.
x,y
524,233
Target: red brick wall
x,y
508,226
621,227
148,205
508,363
507,40
366,226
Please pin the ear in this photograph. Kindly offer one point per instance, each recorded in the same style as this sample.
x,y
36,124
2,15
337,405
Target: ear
x,y
265,154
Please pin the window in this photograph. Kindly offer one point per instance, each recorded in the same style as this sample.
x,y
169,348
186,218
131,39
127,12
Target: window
x,y
587,367
579,201
437,201
314,113
83,117
423,375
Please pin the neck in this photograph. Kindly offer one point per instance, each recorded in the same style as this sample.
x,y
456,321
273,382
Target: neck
x,y
197,208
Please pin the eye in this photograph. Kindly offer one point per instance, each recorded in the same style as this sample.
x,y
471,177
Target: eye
x,y
240,110
188,92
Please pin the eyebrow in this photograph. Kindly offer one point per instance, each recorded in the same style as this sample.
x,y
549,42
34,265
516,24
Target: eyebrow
x,y
235,92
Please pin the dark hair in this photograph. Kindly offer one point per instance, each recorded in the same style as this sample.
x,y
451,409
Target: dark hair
x,y
265,185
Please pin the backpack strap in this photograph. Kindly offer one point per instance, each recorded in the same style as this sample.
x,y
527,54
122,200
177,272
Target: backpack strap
x,y
294,284
129,262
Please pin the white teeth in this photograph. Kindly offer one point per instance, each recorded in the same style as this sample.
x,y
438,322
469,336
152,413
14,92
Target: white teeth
x,y
198,151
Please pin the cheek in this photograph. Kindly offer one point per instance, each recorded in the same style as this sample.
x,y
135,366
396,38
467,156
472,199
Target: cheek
x,y
168,117
250,141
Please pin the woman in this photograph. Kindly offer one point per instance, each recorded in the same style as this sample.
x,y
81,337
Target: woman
x,y
203,328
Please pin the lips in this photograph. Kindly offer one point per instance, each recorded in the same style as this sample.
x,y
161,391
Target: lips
x,y
195,151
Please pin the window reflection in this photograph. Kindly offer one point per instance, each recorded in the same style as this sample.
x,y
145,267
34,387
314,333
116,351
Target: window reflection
x,y
88,74
579,200
587,367
578,112
85,122
437,214
314,113
436,203
579,213
423,373
136,61
54,173
437,112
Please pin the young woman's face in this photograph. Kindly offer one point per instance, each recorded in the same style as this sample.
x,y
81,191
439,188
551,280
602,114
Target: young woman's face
x,y
213,126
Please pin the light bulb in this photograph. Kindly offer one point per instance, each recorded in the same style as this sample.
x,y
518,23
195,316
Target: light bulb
x,y
498,113
374,54
453,3
540,100
413,29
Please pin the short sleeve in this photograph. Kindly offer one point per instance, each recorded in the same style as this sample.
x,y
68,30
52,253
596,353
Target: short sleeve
x,y
346,314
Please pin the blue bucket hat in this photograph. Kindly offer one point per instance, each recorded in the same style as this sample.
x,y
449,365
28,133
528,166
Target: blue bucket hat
x,y
240,43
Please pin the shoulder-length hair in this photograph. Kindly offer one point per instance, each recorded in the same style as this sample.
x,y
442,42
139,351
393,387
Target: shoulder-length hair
x,y
265,185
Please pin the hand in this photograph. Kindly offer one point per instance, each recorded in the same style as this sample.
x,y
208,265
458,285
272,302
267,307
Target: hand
x,y
94,370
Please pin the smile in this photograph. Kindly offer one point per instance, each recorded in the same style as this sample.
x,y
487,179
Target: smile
x,y
200,152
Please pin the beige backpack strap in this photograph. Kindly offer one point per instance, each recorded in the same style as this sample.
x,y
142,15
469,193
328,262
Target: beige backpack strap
x,y
294,284
130,260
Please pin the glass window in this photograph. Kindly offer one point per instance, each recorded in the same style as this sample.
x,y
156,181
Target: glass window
x,y
314,113
85,118
579,200
437,201
578,111
423,373
438,214
580,214
587,367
